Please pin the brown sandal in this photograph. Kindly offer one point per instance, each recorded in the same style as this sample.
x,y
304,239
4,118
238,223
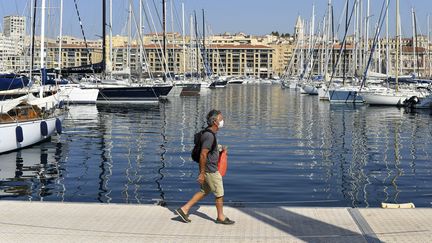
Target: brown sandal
x,y
183,216
225,221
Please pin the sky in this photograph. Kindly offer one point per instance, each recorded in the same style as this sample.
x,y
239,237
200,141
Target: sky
x,y
257,17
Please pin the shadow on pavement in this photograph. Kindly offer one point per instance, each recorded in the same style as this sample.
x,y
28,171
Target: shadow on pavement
x,y
305,228
193,211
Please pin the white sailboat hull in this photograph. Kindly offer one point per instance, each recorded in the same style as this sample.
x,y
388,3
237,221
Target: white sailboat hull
x,y
310,89
236,81
384,99
31,133
76,95
345,95
293,84
323,94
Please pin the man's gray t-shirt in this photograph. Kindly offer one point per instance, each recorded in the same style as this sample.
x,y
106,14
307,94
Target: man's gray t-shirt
x,y
207,140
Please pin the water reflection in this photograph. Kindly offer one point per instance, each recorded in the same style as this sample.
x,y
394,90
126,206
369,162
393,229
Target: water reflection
x,y
162,157
284,149
375,163
32,173
129,164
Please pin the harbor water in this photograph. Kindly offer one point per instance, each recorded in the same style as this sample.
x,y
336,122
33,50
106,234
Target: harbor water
x,y
284,148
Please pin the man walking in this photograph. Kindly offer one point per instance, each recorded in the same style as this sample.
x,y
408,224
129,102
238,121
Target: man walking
x,y
209,177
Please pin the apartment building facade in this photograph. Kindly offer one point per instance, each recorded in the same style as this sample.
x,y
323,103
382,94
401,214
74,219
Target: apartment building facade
x,y
12,44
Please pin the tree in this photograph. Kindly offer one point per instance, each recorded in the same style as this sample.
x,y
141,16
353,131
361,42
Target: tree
x,y
283,35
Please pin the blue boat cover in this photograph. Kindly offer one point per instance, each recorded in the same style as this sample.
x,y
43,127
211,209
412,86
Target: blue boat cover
x,y
13,81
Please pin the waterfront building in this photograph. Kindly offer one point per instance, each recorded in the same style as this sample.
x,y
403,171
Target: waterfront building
x,y
12,44
241,60
14,27
355,57
221,59
282,53
226,54
74,54
8,53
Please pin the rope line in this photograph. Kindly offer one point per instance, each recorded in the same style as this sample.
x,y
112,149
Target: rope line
x,y
84,36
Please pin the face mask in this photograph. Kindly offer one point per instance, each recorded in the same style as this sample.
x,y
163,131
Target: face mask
x,y
221,123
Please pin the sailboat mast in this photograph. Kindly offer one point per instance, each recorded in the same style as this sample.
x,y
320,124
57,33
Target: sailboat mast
x,y
60,38
428,44
366,44
103,37
110,39
311,40
397,45
360,34
42,50
345,44
327,39
174,60
42,37
184,43
33,30
197,45
165,64
387,41
414,42
356,37
204,47
416,45
379,51
140,36
191,40
333,38
129,44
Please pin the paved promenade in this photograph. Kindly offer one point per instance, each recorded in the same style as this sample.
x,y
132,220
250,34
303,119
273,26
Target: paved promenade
x,y
85,222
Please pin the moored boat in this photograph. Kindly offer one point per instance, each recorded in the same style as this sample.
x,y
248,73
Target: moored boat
x,y
389,97
131,94
28,120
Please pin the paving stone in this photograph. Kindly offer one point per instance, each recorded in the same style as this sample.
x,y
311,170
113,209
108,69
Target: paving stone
x,y
86,222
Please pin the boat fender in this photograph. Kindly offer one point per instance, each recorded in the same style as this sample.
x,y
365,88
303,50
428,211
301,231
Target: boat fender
x,y
61,104
19,134
44,128
58,126
397,205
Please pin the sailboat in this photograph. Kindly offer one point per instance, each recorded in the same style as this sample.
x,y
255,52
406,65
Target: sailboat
x,y
308,85
133,93
14,85
72,93
392,97
27,120
290,77
193,86
345,90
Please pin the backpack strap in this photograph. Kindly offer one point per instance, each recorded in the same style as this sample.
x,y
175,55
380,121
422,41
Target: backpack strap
x,y
214,138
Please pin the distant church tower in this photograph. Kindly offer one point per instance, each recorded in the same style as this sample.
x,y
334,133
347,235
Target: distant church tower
x,y
298,29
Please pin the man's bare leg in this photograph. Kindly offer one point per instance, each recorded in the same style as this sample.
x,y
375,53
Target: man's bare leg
x,y
196,198
219,208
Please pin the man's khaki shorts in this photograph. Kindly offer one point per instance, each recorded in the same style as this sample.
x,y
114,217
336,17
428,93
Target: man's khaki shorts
x,y
213,183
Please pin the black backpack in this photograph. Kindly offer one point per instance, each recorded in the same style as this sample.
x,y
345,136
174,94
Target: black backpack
x,y
196,151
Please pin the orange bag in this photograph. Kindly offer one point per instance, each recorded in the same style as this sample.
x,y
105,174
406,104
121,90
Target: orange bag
x,y
223,162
